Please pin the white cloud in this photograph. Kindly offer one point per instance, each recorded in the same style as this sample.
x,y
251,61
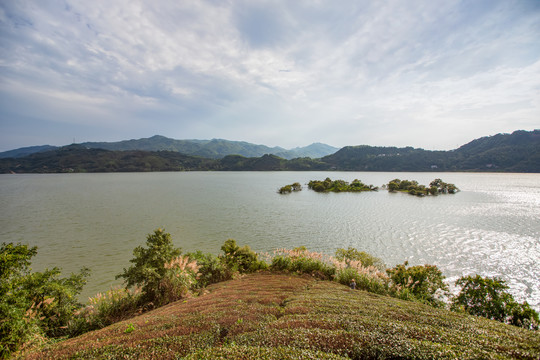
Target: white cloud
x,y
361,72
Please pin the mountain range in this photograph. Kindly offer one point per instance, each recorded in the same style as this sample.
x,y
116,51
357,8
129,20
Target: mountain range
x,y
516,152
212,149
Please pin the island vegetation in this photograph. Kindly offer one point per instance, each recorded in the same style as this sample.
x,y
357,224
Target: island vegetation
x,y
329,185
287,189
412,187
288,304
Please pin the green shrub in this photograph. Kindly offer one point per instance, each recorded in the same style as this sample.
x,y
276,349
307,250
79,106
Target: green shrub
x,y
148,269
287,189
367,278
241,259
33,304
423,282
211,269
352,254
488,297
281,263
105,309
303,261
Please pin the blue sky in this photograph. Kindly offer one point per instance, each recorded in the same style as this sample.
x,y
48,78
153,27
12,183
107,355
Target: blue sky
x,y
433,74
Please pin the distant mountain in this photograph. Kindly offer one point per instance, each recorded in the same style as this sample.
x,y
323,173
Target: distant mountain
x,y
516,152
213,149
370,158
314,151
78,158
24,151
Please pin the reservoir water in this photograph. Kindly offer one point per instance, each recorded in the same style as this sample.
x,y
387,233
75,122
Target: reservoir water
x,y
491,227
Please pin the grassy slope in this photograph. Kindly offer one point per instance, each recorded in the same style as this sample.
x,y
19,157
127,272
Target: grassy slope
x,y
270,316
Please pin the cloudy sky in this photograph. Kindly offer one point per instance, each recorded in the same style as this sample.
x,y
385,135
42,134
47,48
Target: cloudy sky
x,y
433,74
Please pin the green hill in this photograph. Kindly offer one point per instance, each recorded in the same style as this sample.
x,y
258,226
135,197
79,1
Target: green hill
x,y
516,152
213,149
272,316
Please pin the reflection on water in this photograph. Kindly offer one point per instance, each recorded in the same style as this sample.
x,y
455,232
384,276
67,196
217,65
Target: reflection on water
x,y
491,227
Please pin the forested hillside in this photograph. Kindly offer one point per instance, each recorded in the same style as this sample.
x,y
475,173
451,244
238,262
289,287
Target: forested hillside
x,y
516,152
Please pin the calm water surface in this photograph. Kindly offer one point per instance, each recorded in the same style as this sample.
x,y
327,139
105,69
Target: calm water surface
x,y
491,227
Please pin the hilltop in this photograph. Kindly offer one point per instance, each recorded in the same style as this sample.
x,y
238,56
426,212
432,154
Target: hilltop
x,y
279,316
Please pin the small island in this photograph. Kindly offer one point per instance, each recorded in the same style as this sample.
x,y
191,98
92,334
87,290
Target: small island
x,y
328,185
412,187
287,189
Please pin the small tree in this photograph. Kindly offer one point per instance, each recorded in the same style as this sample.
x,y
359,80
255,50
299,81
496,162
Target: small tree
x,y
355,255
488,297
33,303
420,281
241,259
148,269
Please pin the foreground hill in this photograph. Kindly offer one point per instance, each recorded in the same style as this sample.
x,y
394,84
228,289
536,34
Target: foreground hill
x,y
269,316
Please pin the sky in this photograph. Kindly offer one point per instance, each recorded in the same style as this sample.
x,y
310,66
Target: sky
x,y
433,74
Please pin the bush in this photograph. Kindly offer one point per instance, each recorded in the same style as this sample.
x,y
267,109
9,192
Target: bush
x,y
287,189
211,269
149,267
105,309
365,280
352,254
303,261
422,282
241,259
487,297
33,304
180,278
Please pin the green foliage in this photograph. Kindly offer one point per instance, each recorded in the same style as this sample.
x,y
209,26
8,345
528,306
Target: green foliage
x,y
421,282
211,269
328,185
364,280
287,189
352,254
33,303
488,297
241,259
149,266
302,261
129,329
437,186
105,309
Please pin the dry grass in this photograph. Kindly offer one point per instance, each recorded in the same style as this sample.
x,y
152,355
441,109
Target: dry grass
x,y
272,316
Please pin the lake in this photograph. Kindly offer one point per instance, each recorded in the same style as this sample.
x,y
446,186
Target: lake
x,y
491,227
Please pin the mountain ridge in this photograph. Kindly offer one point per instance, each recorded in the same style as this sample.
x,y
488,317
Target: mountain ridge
x,y
516,152
213,149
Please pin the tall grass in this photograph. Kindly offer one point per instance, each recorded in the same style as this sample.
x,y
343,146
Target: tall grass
x,y
105,309
303,261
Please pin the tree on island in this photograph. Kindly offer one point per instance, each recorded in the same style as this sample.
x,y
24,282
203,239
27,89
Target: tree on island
x,y
412,187
328,185
287,189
